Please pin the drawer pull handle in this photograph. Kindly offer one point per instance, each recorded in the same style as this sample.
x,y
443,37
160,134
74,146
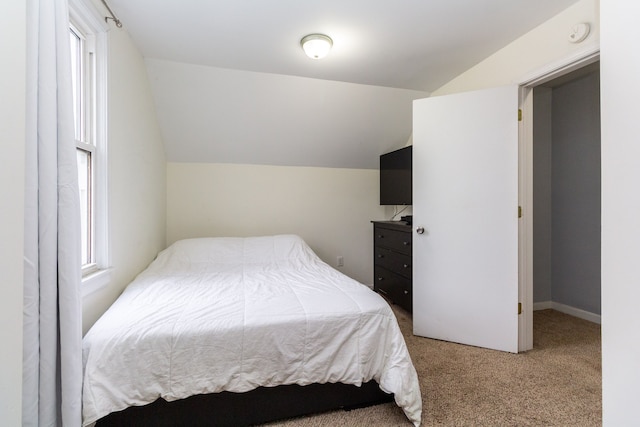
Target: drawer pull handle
x,y
380,279
380,256
406,292
383,291
380,236
406,266
406,243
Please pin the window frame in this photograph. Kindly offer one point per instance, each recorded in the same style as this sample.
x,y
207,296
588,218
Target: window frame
x,y
85,19
83,69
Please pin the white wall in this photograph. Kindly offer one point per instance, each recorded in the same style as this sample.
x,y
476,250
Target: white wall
x,y
12,128
216,115
620,86
331,208
137,173
540,47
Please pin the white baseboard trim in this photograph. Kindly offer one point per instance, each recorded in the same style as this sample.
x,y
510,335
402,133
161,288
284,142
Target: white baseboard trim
x,y
544,305
566,309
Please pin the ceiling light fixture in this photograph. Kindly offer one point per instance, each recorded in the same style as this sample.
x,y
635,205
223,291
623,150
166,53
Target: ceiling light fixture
x,y
316,46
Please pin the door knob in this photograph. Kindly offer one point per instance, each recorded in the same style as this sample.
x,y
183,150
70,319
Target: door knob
x,y
420,230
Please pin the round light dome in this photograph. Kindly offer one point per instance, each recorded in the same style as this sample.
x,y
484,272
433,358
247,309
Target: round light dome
x,y
316,46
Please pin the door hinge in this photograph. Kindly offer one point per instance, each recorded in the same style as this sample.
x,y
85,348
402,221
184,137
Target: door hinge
x,y
519,308
519,211
519,114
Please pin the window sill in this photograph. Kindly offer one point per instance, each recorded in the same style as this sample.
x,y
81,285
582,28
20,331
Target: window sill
x,y
95,281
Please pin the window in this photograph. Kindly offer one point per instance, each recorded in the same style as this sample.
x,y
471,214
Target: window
x,y
83,81
87,40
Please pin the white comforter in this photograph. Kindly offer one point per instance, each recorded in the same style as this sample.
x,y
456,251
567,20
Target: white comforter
x,y
233,314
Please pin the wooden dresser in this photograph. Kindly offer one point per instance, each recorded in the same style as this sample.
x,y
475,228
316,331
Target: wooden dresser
x,y
392,270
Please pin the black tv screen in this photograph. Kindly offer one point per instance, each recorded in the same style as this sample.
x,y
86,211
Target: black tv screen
x,y
395,177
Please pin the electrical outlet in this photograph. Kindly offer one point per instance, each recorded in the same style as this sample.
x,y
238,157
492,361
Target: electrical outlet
x,y
340,261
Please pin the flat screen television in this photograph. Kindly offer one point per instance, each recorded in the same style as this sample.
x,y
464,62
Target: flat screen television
x,y
395,177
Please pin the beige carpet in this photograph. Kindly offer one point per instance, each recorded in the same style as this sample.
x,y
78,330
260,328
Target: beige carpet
x,y
558,383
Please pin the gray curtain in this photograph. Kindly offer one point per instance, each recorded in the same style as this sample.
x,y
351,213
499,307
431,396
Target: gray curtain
x,y
52,358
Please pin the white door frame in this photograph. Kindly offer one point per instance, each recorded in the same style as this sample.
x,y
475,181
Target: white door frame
x,y
584,57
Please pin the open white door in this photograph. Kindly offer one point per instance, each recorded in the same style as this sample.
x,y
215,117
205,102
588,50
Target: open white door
x,y
465,197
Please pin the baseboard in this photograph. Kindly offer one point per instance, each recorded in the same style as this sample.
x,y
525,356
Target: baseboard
x,y
566,309
544,305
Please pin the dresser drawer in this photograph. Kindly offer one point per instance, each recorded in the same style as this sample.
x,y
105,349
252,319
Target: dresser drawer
x,y
397,262
392,262
399,241
393,286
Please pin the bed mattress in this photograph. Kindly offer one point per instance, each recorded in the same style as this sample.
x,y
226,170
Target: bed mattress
x,y
232,314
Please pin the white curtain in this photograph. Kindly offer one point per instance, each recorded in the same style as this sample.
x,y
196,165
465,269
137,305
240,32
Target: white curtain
x,y
52,358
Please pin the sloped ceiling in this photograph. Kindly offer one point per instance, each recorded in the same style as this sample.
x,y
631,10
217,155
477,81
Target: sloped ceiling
x,y
232,84
227,116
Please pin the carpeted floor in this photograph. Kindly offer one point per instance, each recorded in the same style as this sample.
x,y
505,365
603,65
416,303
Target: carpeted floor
x,y
558,383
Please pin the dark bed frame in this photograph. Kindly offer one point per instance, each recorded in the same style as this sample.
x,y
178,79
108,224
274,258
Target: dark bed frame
x,y
258,406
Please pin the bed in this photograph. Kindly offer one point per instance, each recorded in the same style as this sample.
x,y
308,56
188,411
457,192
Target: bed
x,y
239,315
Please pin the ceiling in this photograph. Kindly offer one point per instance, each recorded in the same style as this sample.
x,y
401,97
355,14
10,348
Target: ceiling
x,y
410,44
231,83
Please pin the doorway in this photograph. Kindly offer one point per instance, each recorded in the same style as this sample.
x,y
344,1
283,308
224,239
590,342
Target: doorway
x,y
560,77
566,193
556,75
